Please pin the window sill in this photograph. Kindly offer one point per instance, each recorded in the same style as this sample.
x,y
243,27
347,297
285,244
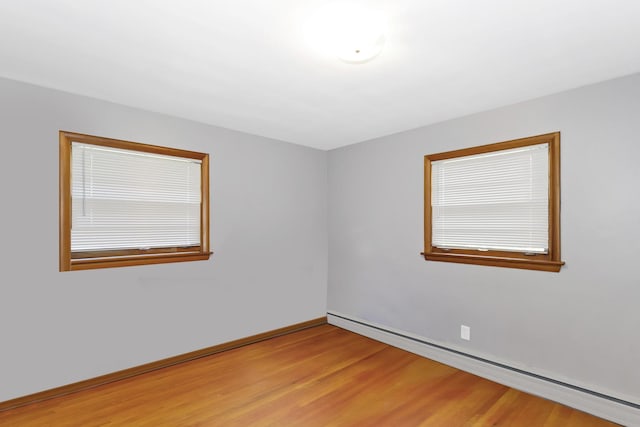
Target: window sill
x,y
541,265
92,263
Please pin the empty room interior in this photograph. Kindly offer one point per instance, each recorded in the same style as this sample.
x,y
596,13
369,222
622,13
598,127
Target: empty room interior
x,y
348,213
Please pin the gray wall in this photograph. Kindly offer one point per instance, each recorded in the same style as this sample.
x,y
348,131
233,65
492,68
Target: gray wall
x,y
581,325
268,226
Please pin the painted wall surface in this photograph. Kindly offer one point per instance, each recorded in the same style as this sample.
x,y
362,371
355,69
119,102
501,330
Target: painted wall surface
x,y
268,227
580,325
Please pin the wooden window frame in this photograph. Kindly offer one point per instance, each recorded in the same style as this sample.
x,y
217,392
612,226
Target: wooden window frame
x,y
550,261
70,261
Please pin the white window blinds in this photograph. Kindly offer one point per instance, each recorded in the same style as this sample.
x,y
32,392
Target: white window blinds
x,y
125,199
492,201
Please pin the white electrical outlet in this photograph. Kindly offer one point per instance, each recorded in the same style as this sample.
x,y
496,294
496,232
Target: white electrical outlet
x,y
465,332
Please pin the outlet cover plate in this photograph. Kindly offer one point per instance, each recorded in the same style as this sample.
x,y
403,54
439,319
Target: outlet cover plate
x,y
465,332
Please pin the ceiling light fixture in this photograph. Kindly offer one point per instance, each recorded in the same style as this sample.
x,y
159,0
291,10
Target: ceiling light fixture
x,y
353,34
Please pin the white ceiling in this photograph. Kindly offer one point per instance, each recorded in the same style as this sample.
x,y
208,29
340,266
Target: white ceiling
x,y
247,64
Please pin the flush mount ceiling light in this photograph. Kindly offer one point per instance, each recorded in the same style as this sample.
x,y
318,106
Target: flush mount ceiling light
x,y
353,34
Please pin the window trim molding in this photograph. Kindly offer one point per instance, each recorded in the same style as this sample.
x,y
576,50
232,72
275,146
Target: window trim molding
x,y
543,262
125,258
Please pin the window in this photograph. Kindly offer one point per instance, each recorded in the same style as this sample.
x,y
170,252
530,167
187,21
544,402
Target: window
x,y
124,203
496,204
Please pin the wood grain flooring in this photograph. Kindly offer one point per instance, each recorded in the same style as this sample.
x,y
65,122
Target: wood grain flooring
x,y
323,376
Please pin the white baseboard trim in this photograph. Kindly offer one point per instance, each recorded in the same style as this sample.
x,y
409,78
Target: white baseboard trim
x,y
598,404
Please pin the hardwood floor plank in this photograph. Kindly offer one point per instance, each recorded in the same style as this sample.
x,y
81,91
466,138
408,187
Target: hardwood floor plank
x,y
323,376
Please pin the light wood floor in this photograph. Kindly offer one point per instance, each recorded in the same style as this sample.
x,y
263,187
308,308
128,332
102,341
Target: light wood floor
x,y
323,376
